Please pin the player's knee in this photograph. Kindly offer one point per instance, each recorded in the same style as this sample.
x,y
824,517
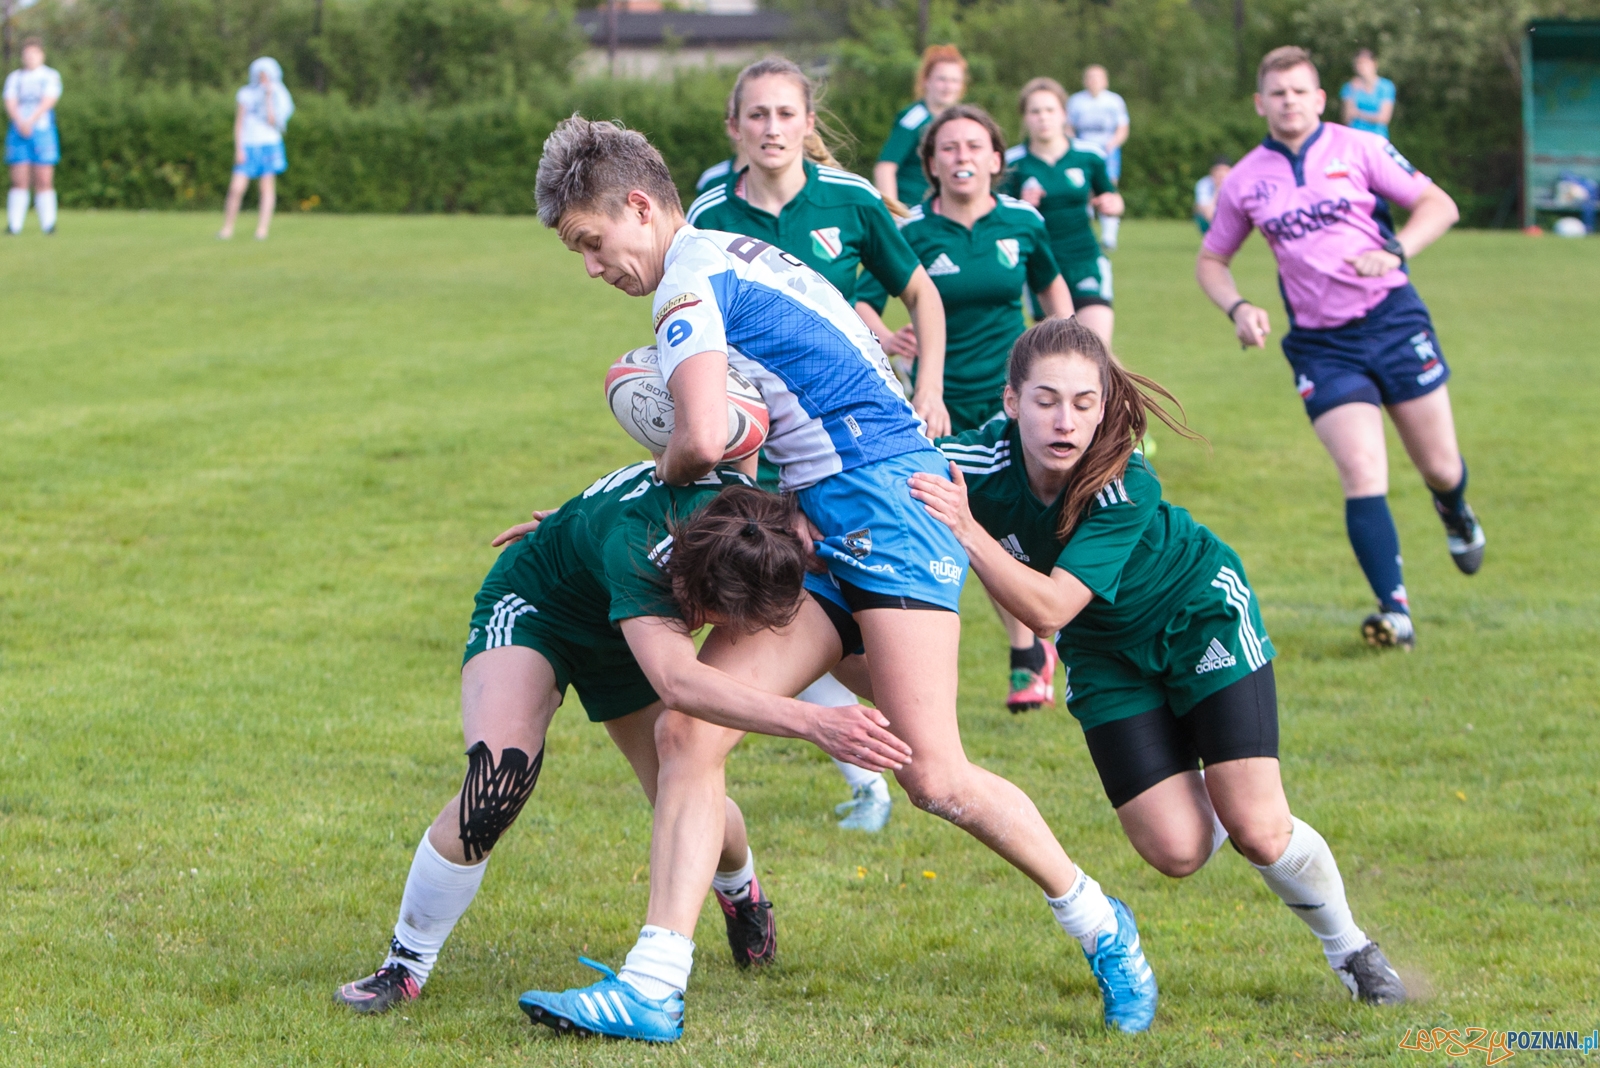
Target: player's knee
x,y
1179,862
1261,842
937,795
493,794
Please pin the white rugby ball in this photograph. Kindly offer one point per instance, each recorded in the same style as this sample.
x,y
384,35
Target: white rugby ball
x,y
642,404
1568,226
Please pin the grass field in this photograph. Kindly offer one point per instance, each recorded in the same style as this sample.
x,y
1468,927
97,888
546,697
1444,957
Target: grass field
x,y
246,493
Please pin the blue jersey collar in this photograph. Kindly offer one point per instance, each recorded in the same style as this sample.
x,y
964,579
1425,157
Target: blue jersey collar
x,y
1297,163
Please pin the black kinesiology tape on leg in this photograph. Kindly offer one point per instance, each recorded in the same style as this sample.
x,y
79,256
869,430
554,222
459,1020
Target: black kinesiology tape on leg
x,y
491,797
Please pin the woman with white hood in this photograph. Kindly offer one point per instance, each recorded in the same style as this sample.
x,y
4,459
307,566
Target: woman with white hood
x,y
264,110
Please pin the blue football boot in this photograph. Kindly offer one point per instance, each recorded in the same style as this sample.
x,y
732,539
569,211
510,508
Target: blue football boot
x,y
609,1007
1127,984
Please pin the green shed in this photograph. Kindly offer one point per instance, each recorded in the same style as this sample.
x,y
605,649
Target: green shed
x,y
1560,117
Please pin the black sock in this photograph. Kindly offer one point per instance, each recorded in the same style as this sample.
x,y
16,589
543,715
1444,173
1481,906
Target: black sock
x,y
1450,501
1031,658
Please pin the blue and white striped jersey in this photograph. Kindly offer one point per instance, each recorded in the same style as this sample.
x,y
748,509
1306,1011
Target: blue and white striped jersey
x,y
833,401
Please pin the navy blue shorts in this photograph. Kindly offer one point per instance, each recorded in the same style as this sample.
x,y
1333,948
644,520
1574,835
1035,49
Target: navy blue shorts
x,y
1391,355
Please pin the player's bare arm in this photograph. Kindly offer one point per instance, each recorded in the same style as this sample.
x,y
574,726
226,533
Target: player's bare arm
x,y
1251,324
667,654
700,428
1044,603
1056,299
922,300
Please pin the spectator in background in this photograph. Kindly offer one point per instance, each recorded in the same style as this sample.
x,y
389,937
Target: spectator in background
x,y
941,81
264,110
32,149
1205,192
1367,101
1100,117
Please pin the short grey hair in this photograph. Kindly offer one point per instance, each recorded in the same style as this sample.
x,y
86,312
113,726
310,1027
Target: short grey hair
x,y
589,166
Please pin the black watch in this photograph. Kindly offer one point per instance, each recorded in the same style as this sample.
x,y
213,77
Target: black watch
x,y
1395,248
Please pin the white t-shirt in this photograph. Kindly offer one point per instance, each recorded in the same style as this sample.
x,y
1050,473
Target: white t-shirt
x,y
28,87
257,130
1096,118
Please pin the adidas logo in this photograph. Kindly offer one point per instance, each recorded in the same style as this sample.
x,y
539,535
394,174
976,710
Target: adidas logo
x,y
943,265
1011,545
1215,659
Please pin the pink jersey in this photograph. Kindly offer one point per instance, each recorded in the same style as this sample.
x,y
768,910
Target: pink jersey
x,y
1315,209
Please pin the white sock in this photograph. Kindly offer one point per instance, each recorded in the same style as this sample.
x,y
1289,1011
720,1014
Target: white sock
x,y
45,205
437,893
658,965
832,693
16,209
1307,878
1108,229
1219,833
735,885
1084,912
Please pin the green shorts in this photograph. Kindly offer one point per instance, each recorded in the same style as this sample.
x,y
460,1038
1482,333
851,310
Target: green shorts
x,y
967,413
1088,279
1215,639
515,607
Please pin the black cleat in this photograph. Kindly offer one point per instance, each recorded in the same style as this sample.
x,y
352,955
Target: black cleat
x,y
390,985
752,933
1370,978
1465,536
1391,630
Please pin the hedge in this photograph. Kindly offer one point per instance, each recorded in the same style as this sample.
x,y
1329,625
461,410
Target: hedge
x,y
173,149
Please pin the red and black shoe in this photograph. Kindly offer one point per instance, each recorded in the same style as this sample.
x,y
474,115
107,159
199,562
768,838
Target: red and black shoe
x,y
385,988
752,933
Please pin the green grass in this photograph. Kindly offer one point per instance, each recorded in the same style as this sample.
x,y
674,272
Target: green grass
x,y
246,492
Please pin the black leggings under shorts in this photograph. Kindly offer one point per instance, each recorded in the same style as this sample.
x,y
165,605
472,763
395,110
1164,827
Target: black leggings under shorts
x,y
1239,720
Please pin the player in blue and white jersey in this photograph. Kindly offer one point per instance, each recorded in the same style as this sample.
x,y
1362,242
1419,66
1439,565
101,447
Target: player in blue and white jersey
x,y
258,127
32,148
847,442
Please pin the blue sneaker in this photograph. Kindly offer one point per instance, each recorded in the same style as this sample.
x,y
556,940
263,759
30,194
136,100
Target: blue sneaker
x,y
865,811
1127,984
609,1007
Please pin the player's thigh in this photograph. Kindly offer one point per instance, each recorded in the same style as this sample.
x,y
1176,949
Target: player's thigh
x,y
21,173
508,697
1170,825
1353,435
1248,796
912,656
44,177
635,737
1427,429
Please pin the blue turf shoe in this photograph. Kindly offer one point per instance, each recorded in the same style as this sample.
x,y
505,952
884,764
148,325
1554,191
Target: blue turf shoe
x,y
865,811
1126,982
609,1007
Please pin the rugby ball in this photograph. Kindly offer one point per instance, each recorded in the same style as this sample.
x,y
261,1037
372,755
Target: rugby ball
x,y
642,404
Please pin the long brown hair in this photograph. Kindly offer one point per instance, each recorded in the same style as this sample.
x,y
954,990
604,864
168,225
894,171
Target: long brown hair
x,y
739,560
1128,409
997,137
817,143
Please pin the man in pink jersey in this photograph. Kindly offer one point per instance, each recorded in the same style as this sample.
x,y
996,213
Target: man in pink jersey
x,y
1360,339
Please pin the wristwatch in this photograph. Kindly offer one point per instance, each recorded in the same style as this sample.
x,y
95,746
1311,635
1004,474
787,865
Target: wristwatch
x,y
1395,248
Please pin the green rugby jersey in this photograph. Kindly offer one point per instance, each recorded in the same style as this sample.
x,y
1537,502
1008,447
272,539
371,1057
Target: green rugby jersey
x,y
1141,557
599,559
836,224
980,273
1068,184
904,149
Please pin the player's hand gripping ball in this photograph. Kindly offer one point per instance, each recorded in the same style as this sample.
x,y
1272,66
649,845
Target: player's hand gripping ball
x,y
640,401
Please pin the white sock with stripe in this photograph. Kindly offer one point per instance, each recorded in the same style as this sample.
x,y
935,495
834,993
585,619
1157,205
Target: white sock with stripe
x,y
1307,879
1084,912
659,963
16,209
735,885
45,205
437,892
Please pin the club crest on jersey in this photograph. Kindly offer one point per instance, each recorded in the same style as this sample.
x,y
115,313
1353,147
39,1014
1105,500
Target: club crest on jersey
x,y
945,570
679,332
825,242
943,265
677,303
858,542
1336,168
1432,366
1075,176
1009,249
1306,387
